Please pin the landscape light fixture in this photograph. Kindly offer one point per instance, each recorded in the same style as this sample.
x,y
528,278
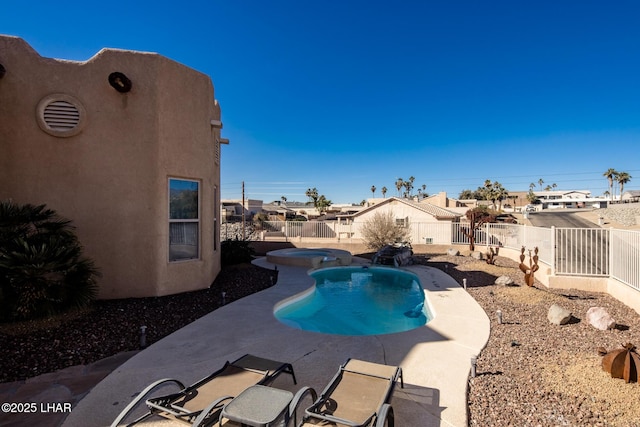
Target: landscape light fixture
x,y
120,82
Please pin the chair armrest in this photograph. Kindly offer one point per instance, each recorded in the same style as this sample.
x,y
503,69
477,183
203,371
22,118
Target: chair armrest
x,y
143,394
204,415
295,402
386,412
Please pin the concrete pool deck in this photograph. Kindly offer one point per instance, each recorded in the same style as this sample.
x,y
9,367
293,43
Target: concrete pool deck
x,y
435,358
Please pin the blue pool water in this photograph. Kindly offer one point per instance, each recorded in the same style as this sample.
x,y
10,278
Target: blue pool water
x,y
357,301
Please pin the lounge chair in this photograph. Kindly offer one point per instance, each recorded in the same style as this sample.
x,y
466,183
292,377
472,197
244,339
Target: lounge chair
x,y
357,396
200,404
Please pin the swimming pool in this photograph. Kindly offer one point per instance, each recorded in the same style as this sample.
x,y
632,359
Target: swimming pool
x,y
357,301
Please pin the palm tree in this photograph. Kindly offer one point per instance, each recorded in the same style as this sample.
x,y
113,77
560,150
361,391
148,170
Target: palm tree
x,y
408,185
540,182
384,191
373,191
313,195
411,180
610,174
399,185
284,200
322,204
495,192
466,194
501,193
623,178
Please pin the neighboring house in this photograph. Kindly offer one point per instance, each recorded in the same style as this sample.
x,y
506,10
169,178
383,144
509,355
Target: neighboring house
x,y
559,199
407,213
233,210
415,216
554,199
278,211
630,196
454,205
127,146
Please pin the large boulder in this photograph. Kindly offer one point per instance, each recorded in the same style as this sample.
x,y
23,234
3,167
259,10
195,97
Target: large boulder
x,y
453,252
476,254
558,315
599,318
504,281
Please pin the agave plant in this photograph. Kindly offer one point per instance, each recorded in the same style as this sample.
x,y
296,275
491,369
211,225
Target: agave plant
x,y
42,270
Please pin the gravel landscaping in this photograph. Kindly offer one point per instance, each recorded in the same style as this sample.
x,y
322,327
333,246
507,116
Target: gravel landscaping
x,y
534,373
531,373
109,327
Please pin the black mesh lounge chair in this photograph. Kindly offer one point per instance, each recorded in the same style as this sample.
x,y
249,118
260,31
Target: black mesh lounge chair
x,y
200,404
357,396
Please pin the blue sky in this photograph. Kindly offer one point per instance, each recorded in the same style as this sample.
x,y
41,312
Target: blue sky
x,y
343,95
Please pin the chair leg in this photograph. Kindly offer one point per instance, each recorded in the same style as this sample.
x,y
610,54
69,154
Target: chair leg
x,y
289,370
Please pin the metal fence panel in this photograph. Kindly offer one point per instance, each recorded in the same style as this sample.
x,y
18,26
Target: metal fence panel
x,y
582,251
625,257
570,251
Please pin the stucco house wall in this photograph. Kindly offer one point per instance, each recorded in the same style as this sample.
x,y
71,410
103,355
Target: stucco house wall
x,y
111,178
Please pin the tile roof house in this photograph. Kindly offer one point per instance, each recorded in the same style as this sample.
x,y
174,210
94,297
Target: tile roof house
x,y
630,196
408,213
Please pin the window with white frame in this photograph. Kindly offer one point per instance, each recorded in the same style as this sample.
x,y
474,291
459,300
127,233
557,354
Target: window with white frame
x,y
184,219
402,222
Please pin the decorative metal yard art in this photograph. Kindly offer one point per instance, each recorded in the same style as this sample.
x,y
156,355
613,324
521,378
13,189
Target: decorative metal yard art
x,y
622,363
491,255
530,269
477,217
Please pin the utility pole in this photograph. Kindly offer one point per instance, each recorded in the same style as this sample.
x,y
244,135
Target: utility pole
x,y
243,235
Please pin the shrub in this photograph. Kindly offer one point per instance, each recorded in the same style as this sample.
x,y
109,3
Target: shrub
x,y
235,252
259,220
42,270
381,230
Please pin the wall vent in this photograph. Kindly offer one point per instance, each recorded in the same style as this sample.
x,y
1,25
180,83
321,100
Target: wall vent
x,y
61,115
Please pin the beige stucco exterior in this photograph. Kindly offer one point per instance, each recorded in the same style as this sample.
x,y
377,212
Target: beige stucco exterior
x,y
111,178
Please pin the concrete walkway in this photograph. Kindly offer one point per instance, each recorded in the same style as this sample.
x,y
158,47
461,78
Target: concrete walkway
x,y
435,358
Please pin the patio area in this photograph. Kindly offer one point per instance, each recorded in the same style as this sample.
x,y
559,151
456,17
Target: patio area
x,y
435,358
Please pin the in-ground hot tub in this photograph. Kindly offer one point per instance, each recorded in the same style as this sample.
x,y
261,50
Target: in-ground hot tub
x,y
310,258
